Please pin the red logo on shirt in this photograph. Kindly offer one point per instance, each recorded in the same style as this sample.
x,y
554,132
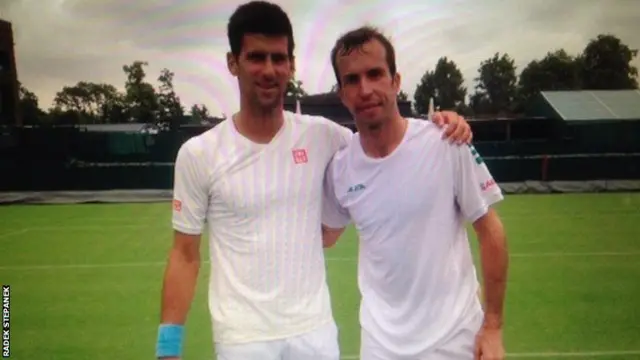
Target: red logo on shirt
x,y
488,184
300,156
177,205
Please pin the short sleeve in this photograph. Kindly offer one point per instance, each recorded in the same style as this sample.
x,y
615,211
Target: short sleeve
x,y
334,215
345,135
190,191
340,136
475,188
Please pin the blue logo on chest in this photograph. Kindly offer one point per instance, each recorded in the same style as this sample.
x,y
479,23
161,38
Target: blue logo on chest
x,y
354,188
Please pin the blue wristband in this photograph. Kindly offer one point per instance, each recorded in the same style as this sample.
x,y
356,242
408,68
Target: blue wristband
x,y
169,340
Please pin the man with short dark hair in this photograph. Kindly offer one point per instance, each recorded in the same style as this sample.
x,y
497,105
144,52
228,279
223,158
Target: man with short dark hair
x,y
409,195
256,180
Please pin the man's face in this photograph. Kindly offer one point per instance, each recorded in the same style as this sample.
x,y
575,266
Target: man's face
x,y
263,69
368,89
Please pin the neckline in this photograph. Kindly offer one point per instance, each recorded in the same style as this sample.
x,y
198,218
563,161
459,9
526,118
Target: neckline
x,y
377,160
252,144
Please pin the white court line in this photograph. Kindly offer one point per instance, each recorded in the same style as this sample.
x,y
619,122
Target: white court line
x,y
83,266
539,254
573,354
13,233
98,227
338,259
541,355
167,221
576,254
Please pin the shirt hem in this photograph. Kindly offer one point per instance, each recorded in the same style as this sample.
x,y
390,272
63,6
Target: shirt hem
x,y
186,230
279,336
490,200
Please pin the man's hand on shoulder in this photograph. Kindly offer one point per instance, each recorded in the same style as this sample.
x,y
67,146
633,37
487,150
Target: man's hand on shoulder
x,y
457,128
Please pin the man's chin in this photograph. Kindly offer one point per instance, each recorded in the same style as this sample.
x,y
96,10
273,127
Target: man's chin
x,y
269,105
374,126
369,124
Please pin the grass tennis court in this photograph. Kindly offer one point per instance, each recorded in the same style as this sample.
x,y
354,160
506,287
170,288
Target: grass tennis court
x,y
85,280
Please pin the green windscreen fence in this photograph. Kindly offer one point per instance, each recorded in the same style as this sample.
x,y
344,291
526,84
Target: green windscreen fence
x,y
120,144
62,159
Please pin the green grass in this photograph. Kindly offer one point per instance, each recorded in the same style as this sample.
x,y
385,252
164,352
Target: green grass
x,y
573,283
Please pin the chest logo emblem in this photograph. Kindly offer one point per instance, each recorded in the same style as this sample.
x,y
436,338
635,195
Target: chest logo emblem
x,y
354,188
300,156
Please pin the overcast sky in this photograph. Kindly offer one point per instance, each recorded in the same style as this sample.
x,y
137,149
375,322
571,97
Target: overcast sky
x,y
61,42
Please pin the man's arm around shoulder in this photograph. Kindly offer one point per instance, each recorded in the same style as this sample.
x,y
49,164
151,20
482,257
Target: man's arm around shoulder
x,y
335,218
339,135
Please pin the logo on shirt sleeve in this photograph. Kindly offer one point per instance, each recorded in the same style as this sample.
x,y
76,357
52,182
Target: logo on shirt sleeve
x,y
177,205
488,184
300,156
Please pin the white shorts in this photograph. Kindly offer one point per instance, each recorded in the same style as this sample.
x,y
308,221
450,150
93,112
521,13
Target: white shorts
x,y
459,347
320,344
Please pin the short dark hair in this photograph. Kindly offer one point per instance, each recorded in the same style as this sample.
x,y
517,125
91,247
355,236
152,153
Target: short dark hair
x,y
258,17
355,39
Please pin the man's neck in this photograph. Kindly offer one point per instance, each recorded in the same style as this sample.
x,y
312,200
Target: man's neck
x,y
259,126
381,142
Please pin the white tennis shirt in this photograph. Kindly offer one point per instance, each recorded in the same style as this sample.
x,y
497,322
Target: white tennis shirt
x,y
416,272
262,204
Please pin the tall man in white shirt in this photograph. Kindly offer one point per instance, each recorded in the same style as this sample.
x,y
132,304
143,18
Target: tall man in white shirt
x,y
256,181
409,195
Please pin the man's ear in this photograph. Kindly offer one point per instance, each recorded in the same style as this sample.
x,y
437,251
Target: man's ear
x,y
340,93
293,65
232,64
397,81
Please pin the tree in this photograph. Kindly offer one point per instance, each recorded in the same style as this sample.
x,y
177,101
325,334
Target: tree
x,y
606,64
199,113
294,89
496,85
92,102
556,71
444,85
116,109
140,96
29,107
170,110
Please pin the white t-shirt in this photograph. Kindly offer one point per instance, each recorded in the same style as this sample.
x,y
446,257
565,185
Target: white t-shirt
x,y
262,204
416,272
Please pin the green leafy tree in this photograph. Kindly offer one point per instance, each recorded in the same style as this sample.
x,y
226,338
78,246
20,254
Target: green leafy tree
x,y
141,97
295,89
199,113
170,110
29,107
496,86
556,71
606,64
93,102
444,85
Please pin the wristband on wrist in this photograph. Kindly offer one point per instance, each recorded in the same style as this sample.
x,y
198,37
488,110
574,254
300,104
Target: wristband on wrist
x,y
169,342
